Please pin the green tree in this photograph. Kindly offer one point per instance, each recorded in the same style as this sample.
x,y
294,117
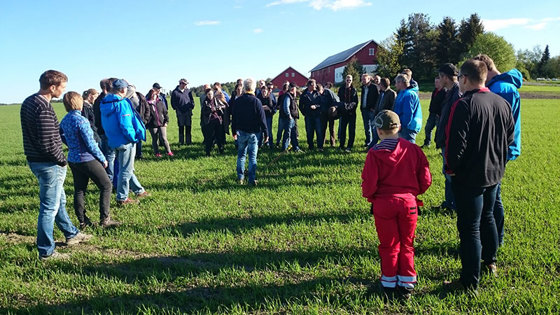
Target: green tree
x,y
418,38
469,30
552,67
355,69
542,65
388,56
447,46
497,48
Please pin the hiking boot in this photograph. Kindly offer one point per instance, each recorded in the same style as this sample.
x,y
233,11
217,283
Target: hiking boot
x,y
404,293
390,293
491,270
87,222
108,223
79,238
127,201
143,195
54,256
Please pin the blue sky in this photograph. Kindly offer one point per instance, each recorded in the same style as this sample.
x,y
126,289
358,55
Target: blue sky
x,y
206,41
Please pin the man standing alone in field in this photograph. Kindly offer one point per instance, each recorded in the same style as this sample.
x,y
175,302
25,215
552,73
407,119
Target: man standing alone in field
x,y
42,146
182,102
479,131
505,85
248,122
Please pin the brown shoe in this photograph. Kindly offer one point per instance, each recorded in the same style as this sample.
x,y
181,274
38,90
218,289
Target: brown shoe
x,y
122,203
143,195
108,223
78,238
491,270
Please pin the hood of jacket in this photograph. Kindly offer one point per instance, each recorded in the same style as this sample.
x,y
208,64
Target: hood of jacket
x,y
392,158
513,76
107,106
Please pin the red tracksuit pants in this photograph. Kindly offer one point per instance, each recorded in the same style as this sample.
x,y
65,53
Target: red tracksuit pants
x,y
395,221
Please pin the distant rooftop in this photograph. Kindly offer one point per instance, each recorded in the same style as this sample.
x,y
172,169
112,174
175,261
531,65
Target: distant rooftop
x,y
341,56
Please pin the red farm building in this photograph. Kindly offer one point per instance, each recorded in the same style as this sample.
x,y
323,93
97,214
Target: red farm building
x,y
290,75
330,70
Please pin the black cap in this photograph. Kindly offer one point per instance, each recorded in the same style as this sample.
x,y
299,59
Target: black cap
x,y
293,85
156,86
449,69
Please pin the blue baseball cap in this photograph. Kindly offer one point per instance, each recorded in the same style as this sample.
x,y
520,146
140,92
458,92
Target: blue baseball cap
x,y
120,84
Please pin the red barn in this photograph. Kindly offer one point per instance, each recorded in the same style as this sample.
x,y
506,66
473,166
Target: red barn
x,y
290,75
330,70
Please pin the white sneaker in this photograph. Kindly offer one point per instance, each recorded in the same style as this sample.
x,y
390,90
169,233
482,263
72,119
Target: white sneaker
x,y
79,238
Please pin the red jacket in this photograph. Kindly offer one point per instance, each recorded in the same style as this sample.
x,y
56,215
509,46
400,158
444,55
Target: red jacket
x,y
402,171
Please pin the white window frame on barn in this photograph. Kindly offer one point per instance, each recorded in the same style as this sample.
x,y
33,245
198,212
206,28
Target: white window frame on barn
x,y
372,51
287,75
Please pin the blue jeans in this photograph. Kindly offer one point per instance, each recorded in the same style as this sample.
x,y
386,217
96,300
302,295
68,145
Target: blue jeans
x,y
126,178
280,130
290,134
313,126
52,207
477,230
449,201
270,133
431,123
109,154
369,127
247,143
499,214
408,134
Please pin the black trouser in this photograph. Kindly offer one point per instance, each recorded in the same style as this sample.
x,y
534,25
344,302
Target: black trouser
x,y
350,121
477,229
82,172
326,120
185,133
214,132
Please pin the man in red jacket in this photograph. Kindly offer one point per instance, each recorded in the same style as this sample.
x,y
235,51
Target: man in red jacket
x,y
395,172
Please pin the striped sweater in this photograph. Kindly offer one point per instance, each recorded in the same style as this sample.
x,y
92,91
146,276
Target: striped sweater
x,y
40,130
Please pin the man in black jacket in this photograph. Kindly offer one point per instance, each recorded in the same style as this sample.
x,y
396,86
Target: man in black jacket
x,y
368,103
248,121
310,106
438,95
349,98
448,80
479,132
182,102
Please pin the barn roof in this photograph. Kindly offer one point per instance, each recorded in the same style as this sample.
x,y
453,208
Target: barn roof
x,y
341,56
292,69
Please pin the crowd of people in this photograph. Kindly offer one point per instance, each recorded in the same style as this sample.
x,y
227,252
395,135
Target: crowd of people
x,y
475,110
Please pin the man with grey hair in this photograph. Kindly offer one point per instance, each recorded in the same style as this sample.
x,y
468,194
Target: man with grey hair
x,y
248,121
370,94
407,106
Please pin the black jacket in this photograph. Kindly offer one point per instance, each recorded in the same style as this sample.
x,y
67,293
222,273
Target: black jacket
x,y
248,115
269,104
451,97
372,97
479,132
349,99
306,100
97,113
436,102
182,101
158,114
87,112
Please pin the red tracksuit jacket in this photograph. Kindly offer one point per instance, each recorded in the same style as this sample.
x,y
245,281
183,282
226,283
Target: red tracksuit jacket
x,y
402,171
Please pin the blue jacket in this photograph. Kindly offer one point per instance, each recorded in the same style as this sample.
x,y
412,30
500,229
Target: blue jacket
x,y
506,85
120,121
76,132
407,106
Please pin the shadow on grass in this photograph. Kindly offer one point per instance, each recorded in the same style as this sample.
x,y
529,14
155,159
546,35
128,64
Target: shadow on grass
x,y
242,225
181,292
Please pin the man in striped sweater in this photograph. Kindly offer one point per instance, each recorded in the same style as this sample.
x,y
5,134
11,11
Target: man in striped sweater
x,y
43,148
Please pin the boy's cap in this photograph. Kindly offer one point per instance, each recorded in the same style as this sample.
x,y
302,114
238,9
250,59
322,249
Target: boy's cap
x,y
156,86
387,120
120,84
449,69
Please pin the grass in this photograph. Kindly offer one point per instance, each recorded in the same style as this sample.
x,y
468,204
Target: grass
x,y
303,241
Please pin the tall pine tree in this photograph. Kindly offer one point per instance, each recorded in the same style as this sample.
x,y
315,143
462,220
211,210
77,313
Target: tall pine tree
x,y
541,67
468,32
447,46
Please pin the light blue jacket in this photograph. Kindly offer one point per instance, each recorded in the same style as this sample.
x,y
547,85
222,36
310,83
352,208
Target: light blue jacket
x,y
506,85
120,121
407,106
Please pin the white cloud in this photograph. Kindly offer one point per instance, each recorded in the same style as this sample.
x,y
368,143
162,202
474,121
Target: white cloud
x,y
494,25
551,19
258,30
334,5
206,23
536,27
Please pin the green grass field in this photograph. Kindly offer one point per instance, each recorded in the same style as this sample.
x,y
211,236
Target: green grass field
x,y
303,241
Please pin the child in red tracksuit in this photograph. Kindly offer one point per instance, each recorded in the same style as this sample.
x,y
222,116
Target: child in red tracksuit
x,y
395,172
